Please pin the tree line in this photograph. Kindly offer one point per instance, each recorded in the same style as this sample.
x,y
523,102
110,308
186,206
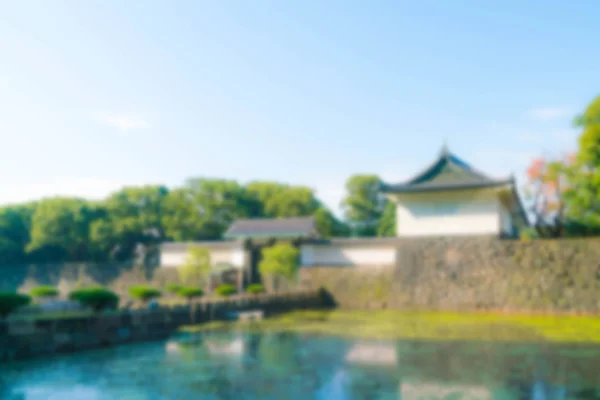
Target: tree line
x,y
62,229
563,193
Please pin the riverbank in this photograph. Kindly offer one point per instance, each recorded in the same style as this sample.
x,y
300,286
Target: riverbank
x,y
47,334
428,325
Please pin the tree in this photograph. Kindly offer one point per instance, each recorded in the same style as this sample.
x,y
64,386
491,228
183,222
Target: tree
x,y
279,200
181,218
15,227
97,298
546,184
10,302
208,207
144,293
583,197
363,205
132,218
59,230
328,225
44,292
296,201
280,261
197,267
387,223
190,293
264,193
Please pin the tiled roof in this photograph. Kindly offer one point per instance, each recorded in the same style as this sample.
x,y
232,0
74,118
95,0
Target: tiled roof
x,y
275,228
210,244
448,172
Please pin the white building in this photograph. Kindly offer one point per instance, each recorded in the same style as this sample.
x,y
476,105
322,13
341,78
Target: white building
x,y
452,198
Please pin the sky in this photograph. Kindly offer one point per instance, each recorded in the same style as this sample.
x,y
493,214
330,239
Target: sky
x,y
96,95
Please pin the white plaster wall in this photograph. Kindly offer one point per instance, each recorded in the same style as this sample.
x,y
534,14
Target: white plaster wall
x,y
350,255
440,214
232,256
506,221
172,258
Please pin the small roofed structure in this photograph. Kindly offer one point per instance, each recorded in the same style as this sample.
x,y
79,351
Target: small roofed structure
x,y
279,228
450,197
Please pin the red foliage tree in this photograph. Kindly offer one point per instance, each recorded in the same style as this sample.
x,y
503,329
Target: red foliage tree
x,y
547,182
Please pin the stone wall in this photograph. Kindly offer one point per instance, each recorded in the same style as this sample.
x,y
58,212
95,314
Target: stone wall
x,y
116,276
470,273
31,337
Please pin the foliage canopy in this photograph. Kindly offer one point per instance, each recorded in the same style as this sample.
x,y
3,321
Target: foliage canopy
x,y
10,302
44,291
144,293
280,260
97,298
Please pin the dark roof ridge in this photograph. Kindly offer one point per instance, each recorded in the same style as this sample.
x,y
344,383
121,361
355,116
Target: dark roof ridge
x,y
455,163
272,227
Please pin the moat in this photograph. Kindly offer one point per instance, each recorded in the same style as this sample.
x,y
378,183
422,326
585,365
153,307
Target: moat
x,y
287,365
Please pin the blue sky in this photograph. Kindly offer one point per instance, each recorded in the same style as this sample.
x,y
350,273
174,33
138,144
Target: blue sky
x,y
95,95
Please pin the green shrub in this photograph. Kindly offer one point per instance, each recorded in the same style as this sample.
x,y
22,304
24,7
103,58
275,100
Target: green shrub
x,y
226,290
190,292
144,293
174,288
97,298
10,301
44,291
255,288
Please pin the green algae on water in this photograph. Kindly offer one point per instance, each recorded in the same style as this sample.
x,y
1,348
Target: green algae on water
x,y
394,325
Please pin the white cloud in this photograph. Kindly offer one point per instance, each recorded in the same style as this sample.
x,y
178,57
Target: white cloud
x,y
89,188
125,122
550,113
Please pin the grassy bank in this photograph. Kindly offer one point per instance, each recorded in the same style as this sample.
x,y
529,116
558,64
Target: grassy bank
x,y
425,326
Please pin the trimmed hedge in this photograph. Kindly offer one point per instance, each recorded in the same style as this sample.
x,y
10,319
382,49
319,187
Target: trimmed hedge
x,y
44,291
97,298
226,290
144,293
255,288
174,288
190,292
10,302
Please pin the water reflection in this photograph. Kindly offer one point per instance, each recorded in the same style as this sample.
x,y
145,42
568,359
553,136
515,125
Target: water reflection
x,y
290,366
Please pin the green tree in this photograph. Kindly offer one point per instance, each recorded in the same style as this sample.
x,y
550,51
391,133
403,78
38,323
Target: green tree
x,y
387,223
197,268
10,302
129,219
263,193
363,205
97,298
190,293
328,225
279,200
59,230
15,226
210,206
280,261
583,196
44,292
296,201
144,293
181,219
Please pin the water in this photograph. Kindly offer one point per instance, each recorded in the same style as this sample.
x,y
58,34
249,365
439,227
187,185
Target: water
x,y
291,366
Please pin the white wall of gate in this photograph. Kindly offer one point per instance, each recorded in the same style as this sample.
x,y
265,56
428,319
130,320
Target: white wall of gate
x,y
350,252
